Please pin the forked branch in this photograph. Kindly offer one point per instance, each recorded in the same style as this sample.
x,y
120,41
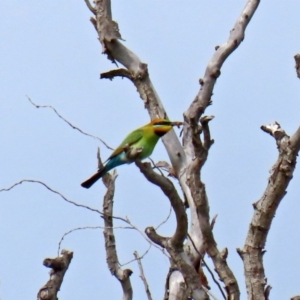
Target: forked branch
x,y
174,245
170,191
136,71
265,209
197,152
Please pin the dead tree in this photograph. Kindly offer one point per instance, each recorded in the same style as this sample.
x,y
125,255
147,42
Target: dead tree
x,y
187,159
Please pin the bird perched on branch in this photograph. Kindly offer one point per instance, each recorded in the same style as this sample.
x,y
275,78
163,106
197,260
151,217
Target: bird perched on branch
x,y
139,144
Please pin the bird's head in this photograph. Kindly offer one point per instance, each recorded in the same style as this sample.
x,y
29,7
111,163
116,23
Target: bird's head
x,y
162,126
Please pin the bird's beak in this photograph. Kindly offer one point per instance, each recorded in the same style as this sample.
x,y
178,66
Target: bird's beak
x,y
177,123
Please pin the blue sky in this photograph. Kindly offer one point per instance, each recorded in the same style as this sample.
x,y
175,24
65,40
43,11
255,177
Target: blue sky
x,y
50,52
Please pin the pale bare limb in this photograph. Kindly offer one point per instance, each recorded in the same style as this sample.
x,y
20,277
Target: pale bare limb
x,y
59,266
174,245
110,246
142,275
70,124
169,190
198,150
136,71
213,69
195,152
264,212
295,139
200,206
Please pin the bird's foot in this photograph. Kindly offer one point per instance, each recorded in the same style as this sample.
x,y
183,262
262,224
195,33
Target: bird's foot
x,y
133,153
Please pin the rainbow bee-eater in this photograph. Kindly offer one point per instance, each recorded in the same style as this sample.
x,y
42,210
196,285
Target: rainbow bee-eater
x,y
139,144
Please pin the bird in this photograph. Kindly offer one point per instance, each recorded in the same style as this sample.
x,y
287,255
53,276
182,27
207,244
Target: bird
x,y
139,144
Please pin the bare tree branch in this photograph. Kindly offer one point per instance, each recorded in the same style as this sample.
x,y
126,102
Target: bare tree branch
x,y
207,141
169,190
297,60
109,37
70,124
198,151
116,73
295,139
142,275
191,160
213,69
89,5
264,212
139,75
59,267
201,208
174,245
110,246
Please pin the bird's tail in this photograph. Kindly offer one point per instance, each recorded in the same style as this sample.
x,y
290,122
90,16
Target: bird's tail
x,y
89,182
111,163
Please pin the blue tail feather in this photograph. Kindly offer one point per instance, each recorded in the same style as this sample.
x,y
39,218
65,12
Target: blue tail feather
x,y
109,165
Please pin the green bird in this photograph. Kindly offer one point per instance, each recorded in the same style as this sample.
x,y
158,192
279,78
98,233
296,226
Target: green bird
x,y
139,144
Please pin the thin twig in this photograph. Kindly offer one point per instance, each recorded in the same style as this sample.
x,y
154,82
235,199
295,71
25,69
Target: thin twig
x,y
143,255
83,228
142,275
206,265
126,220
70,124
213,221
155,167
167,218
55,192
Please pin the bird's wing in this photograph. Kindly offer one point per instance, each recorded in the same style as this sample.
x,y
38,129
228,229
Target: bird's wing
x,y
131,139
